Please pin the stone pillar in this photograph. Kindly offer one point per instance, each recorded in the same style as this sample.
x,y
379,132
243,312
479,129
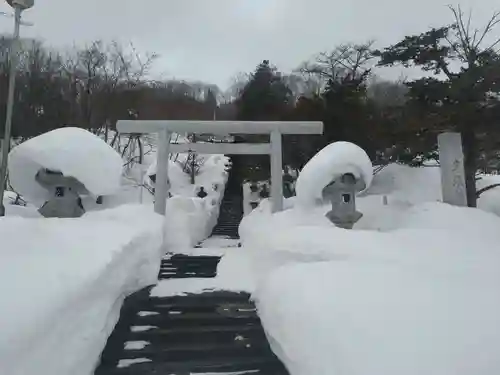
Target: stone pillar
x,y
161,183
276,172
451,159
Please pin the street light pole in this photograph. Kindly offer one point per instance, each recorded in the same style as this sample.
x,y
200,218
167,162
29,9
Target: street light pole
x,y
19,6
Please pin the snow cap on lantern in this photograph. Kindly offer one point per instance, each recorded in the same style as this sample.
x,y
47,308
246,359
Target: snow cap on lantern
x,y
329,165
75,153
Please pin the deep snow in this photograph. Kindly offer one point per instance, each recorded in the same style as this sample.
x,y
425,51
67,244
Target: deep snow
x,y
63,282
412,289
75,273
418,299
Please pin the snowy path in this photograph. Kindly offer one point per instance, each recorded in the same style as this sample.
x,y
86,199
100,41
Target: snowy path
x,y
172,328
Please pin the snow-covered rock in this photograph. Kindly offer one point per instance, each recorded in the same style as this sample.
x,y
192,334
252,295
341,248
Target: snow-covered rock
x,y
331,162
63,282
74,152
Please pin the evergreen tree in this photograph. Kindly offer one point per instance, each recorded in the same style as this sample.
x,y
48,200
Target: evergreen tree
x,y
463,99
264,98
211,101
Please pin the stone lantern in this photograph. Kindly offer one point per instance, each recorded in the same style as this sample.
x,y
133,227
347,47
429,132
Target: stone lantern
x,y
64,192
342,195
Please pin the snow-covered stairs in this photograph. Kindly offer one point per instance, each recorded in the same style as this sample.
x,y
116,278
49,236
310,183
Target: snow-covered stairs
x,y
183,266
230,215
215,332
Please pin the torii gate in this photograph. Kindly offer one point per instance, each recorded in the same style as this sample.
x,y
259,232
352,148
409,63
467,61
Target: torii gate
x,y
165,128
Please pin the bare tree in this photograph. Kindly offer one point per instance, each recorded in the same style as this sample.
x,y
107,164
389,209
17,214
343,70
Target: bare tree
x,y
387,93
347,61
98,74
238,82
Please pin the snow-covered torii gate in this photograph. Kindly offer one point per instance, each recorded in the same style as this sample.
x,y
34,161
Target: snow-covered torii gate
x,y
165,128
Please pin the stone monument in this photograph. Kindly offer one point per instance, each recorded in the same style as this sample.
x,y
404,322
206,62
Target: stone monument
x,y
451,160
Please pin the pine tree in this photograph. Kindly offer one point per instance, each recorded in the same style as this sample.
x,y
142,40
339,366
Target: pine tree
x,y
462,99
264,98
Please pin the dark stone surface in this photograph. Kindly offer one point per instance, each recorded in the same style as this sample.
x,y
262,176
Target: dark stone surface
x,y
215,332
230,215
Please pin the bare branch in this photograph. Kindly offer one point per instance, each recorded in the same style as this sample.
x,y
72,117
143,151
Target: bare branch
x,y
494,20
485,189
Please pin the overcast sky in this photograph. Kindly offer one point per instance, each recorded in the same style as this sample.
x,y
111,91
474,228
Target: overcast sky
x,y
212,40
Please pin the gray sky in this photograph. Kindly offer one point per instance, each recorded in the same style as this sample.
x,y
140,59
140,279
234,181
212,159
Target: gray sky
x,y
212,40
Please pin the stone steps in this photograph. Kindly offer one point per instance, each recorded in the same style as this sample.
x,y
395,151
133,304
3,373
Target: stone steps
x,y
230,215
213,332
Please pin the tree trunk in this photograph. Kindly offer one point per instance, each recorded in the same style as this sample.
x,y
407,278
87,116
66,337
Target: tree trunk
x,y
106,131
469,144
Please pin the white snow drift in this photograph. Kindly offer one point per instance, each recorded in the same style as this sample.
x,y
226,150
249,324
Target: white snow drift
x,y
411,290
414,300
74,152
63,282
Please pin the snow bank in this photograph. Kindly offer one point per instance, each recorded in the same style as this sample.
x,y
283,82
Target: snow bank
x,y
407,185
331,162
489,200
418,296
190,219
361,318
74,152
187,221
179,181
70,277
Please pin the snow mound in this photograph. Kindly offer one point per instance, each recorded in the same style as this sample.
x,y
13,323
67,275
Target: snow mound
x,y
418,297
64,281
179,181
187,222
74,152
381,319
410,185
331,162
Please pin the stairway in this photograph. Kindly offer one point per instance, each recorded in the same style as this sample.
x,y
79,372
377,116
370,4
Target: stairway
x,y
184,266
230,215
215,332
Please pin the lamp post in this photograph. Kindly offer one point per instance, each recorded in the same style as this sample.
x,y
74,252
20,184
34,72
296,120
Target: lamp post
x,y
19,6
